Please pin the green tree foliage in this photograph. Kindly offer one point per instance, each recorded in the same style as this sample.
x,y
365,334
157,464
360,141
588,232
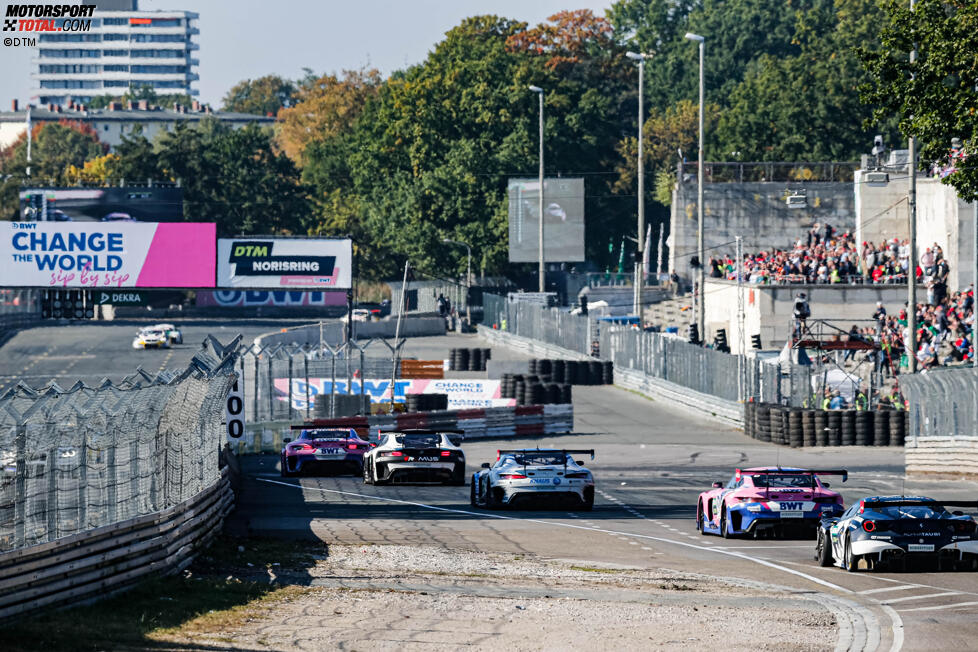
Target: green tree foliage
x,y
235,178
935,98
54,147
263,96
137,93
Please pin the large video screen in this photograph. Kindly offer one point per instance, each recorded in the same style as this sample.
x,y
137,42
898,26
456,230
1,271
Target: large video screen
x,y
143,204
563,220
283,263
97,255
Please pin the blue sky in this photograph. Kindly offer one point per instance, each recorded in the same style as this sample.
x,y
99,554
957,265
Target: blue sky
x,y
242,39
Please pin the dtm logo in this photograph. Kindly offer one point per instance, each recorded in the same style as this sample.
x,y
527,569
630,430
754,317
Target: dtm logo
x,y
791,506
556,480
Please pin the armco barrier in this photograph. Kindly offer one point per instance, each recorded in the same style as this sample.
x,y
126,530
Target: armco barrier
x,y
798,427
478,423
103,560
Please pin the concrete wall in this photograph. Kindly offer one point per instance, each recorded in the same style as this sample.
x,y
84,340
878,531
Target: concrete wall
x,y
334,332
882,213
768,308
757,212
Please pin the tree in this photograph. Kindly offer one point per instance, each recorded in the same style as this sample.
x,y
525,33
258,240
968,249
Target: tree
x,y
100,171
263,96
935,98
324,109
54,147
137,159
235,178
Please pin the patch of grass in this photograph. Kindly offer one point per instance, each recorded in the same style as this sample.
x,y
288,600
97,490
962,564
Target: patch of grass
x,y
592,569
207,599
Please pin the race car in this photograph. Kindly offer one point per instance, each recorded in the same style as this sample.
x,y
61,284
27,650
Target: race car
x,y
416,455
768,500
890,530
172,332
528,475
335,450
151,338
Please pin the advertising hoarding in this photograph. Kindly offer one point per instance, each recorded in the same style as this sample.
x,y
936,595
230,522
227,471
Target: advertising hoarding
x,y
141,203
107,254
285,263
462,393
271,298
563,220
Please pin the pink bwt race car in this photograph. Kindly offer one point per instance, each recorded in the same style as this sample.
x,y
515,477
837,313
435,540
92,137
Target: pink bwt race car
x,y
323,450
768,500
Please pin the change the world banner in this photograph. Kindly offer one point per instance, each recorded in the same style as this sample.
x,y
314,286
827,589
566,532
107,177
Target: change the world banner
x,y
462,393
107,255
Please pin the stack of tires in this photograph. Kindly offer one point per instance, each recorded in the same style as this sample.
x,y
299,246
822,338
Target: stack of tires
x,y
821,420
471,359
898,427
777,425
534,389
808,428
799,428
762,426
864,428
426,402
750,409
574,372
847,427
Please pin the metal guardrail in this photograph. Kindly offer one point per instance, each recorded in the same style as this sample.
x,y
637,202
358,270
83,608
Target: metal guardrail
x,y
72,460
99,561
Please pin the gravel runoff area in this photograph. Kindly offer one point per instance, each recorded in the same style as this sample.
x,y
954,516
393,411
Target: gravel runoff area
x,y
428,598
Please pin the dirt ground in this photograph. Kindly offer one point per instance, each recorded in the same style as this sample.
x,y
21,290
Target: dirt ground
x,y
417,597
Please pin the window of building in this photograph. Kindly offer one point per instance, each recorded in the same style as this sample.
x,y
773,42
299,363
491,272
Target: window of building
x,y
115,37
69,38
115,67
116,83
117,53
160,70
115,21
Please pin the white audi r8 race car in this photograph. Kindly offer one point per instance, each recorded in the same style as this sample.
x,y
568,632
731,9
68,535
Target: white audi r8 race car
x,y
151,338
172,332
416,456
533,475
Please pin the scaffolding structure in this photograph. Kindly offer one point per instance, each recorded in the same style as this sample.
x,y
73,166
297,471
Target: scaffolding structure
x,y
831,343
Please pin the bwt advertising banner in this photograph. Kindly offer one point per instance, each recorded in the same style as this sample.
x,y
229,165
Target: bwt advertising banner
x,y
104,255
285,263
462,394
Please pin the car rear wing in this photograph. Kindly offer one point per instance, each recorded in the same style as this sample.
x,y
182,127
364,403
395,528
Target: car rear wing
x,y
529,451
916,502
454,435
844,473
328,428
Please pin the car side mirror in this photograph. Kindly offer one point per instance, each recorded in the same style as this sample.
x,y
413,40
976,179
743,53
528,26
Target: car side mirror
x,y
958,512
826,485
717,485
287,440
485,465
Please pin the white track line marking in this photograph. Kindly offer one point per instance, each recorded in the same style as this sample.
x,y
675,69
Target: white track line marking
x,y
943,606
897,627
921,597
889,588
574,526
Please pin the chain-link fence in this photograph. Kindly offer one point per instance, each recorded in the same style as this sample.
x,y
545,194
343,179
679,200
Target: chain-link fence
x,y
301,381
79,458
943,403
731,377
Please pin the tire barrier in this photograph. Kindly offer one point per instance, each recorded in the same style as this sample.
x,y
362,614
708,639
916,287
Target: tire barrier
x,y
341,405
805,428
426,402
533,389
572,372
479,423
469,359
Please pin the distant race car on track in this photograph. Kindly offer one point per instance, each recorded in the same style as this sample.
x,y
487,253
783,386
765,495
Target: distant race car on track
x,y
332,450
151,338
416,456
768,500
890,530
534,475
172,332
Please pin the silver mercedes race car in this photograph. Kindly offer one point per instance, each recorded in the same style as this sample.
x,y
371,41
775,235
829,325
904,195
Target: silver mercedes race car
x,y
416,456
534,475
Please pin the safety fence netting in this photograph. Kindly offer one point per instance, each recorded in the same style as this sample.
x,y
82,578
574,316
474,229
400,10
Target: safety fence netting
x,y
73,459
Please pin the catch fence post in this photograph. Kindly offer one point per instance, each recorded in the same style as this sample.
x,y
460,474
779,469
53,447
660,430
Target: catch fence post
x,y
20,489
271,390
255,399
51,509
290,386
305,366
363,407
332,385
83,482
112,493
134,476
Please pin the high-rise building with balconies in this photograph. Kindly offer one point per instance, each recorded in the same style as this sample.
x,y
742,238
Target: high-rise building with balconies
x,y
124,49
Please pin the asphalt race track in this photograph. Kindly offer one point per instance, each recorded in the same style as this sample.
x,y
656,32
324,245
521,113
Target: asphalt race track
x,y
652,461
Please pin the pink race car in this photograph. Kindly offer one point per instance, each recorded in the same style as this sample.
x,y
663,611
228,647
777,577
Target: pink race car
x,y
768,500
334,450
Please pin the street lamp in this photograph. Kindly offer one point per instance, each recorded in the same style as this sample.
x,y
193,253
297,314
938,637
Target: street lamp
x,y
640,57
542,272
700,310
468,276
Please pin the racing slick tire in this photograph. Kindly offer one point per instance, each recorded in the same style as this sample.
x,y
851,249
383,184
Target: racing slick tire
x,y
724,532
491,498
823,548
588,503
472,499
367,478
458,476
375,477
700,515
849,561
283,471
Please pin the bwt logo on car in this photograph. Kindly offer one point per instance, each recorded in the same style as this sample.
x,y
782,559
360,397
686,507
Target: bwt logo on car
x,y
791,506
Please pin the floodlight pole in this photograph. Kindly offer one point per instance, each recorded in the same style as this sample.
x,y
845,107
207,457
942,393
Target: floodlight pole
x,y
541,269
640,254
912,218
701,273
397,334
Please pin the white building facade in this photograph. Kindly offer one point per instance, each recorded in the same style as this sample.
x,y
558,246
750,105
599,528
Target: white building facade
x,y
124,49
